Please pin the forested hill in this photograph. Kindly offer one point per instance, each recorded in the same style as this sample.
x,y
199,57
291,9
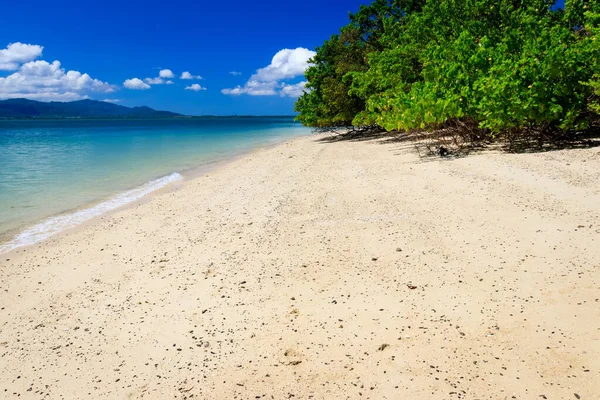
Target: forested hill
x,y
23,108
491,68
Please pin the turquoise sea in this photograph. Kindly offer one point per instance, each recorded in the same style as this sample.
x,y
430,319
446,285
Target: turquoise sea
x,y
55,174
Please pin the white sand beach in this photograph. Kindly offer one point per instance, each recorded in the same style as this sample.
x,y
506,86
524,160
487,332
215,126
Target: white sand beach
x,y
316,270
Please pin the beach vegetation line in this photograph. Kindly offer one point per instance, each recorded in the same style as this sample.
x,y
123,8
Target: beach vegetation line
x,y
483,69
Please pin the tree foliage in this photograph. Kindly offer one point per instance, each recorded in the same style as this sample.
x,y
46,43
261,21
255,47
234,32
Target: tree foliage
x,y
500,65
328,101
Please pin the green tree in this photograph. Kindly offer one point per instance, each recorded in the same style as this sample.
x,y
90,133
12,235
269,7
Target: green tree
x,y
328,100
499,65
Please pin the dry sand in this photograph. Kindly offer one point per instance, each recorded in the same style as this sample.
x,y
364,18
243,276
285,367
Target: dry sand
x,y
322,271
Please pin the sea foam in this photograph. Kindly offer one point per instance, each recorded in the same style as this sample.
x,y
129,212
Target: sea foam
x,y
59,223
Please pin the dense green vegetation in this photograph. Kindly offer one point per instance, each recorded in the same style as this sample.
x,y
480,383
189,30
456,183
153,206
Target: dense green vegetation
x,y
493,67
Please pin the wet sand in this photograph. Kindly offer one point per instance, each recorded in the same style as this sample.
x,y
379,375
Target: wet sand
x,y
316,270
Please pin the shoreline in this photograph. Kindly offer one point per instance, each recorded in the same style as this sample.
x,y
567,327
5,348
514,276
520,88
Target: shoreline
x,y
186,174
352,269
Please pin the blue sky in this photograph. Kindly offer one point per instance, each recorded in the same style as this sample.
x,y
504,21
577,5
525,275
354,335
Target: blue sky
x,y
114,41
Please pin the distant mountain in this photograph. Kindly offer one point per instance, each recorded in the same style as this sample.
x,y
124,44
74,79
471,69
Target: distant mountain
x,y
23,108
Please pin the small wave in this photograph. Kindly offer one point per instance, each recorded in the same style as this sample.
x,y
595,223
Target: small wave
x,y
59,223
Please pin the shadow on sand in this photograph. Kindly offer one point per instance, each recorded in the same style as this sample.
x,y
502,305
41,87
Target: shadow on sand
x,y
427,146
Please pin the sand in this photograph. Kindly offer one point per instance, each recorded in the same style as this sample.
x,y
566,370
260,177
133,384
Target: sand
x,y
317,270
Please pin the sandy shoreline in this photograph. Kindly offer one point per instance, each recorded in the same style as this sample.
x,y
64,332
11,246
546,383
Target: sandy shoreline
x,y
8,238
325,271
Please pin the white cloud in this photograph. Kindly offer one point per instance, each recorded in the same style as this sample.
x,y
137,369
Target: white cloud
x,y
158,81
254,88
286,64
166,73
187,75
16,54
236,91
195,87
235,73
112,100
136,84
40,80
292,90
154,81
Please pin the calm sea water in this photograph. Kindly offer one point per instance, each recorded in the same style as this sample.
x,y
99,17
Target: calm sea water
x,y
82,168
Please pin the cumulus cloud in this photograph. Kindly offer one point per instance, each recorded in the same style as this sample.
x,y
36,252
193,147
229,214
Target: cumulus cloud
x,y
166,73
254,88
195,87
292,90
111,100
236,91
158,81
154,81
187,75
286,64
136,84
18,53
163,78
40,80
235,73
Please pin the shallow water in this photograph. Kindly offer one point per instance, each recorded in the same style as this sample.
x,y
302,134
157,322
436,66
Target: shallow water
x,y
51,167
